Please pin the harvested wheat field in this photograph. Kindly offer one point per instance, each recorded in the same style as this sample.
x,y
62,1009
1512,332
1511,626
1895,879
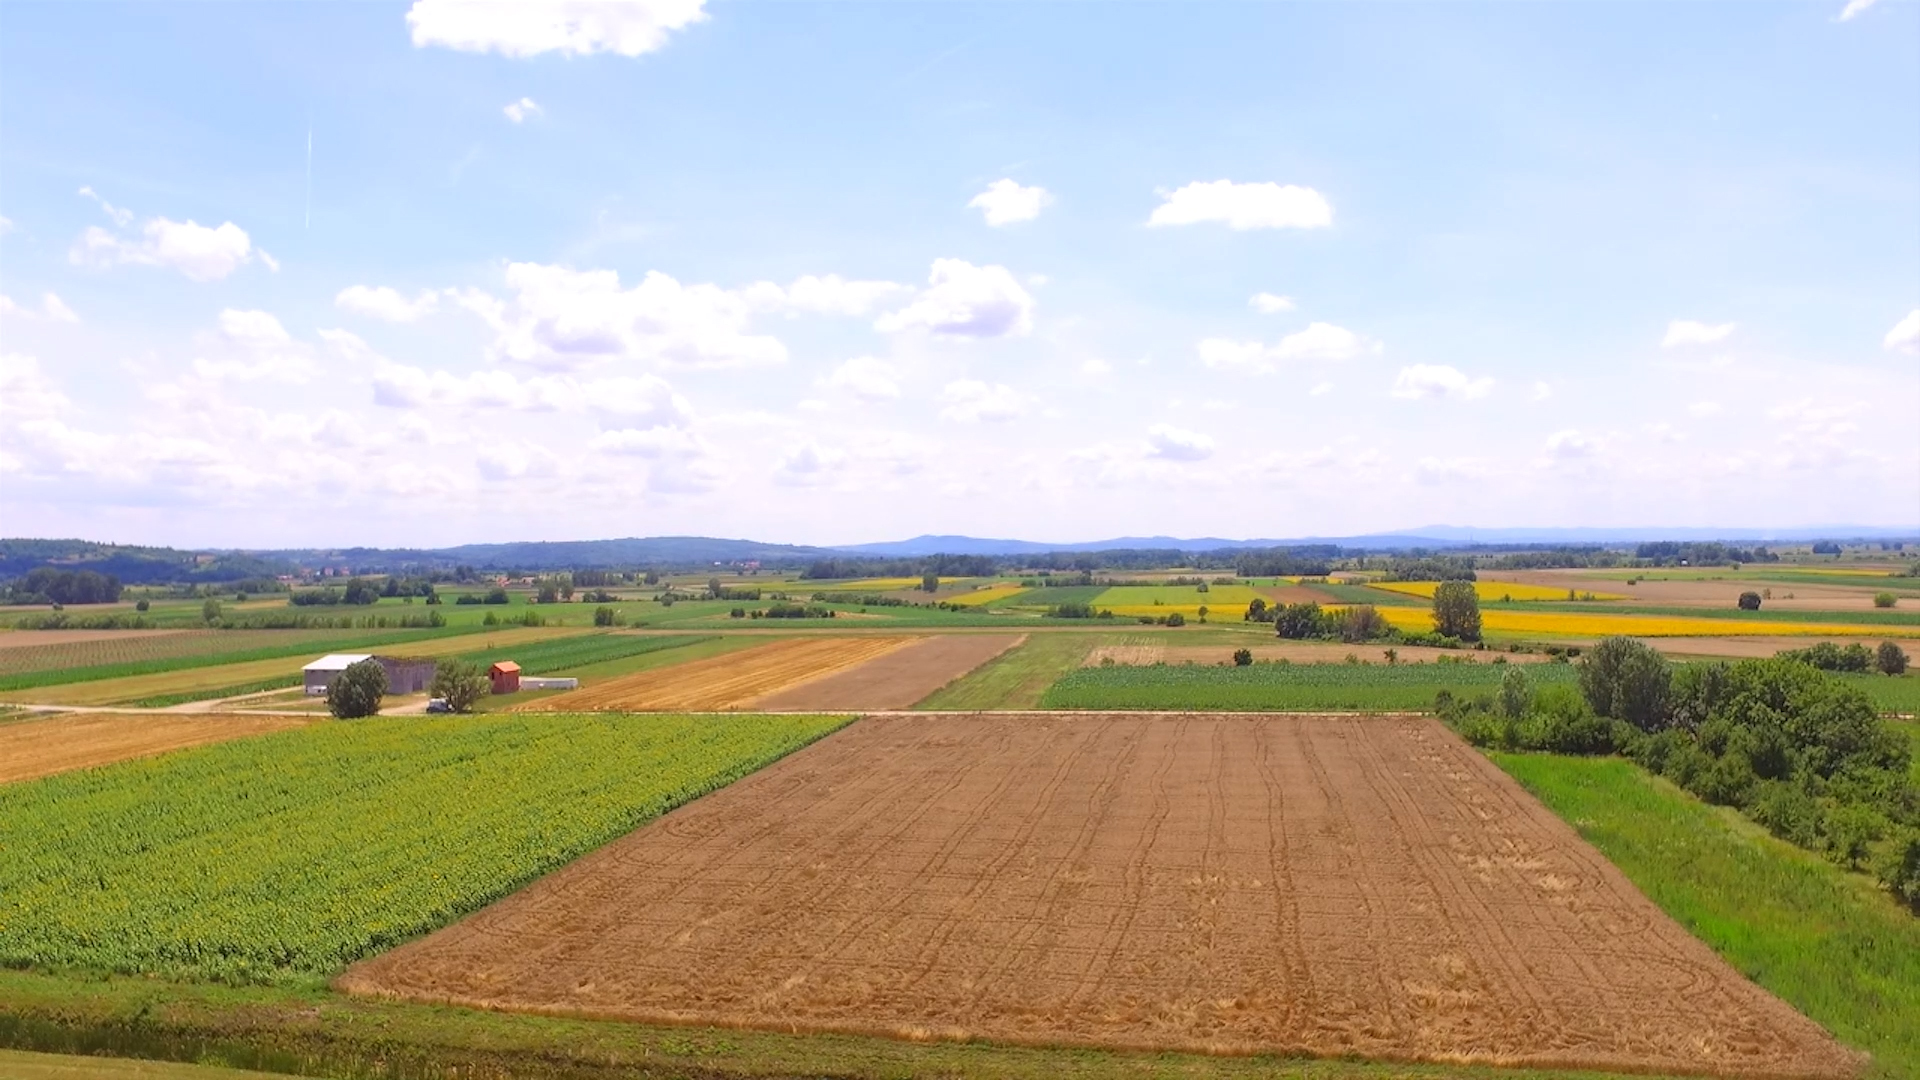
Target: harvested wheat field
x,y
730,681
897,680
1316,885
35,748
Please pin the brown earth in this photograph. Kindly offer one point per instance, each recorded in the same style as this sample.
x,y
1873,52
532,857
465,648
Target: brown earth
x,y
729,681
20,639
35,748
1300,652
896,680
1364,886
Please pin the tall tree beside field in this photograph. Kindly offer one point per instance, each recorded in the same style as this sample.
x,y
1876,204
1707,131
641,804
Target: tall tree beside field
x,y
930,583
1890,659
1627,680
1456,610
460,683
357,691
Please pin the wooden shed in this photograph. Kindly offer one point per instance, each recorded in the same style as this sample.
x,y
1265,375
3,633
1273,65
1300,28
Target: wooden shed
x,y
505,675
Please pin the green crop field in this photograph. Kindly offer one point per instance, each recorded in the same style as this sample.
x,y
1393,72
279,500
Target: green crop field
x,y
92,661
1016,679
565,654
286,857
1826,941
1281,686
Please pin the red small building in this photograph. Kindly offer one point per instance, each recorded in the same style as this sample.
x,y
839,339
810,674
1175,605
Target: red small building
x,y
506,677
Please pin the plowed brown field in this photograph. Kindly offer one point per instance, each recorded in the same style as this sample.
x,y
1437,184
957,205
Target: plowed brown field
x,y
1320,885
724,682
35,748
898,679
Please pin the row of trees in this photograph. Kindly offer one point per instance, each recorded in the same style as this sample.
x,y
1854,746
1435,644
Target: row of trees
x,y
1800,752
46,585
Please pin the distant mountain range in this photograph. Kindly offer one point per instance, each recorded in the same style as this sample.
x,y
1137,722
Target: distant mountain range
x,y
141,564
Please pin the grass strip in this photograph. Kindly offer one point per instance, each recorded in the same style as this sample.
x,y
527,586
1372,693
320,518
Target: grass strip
x,y
1282,686
1018,678
312,1032
1828,942
259,686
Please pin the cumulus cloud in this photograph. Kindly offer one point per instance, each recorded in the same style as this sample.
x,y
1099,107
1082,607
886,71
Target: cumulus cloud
x,y
1571,444
6,224
518,460
1687,332
26,393
253,345
1541,391
1855,7
1006,202
569,27
1439,381
1704,408
201,253
381,302
1905,335
821,294
808,464
566,319
1244,206
518,111
971,401
1267,303
655,442
52,309
1319,341
964,300
626,400
865,377
1175,444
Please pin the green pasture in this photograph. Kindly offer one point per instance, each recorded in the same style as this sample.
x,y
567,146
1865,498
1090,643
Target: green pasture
x,y
1828,942
1282,686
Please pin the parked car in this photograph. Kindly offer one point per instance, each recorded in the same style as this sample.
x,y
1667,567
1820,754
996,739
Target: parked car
x,y
438,705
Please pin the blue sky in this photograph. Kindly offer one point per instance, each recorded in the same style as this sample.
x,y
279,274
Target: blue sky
x,y
843,272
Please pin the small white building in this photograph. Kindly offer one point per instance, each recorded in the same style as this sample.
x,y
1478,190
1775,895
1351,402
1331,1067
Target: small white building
x,y
321,673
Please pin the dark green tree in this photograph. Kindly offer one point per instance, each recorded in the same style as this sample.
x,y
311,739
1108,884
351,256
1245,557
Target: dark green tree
x,y
1890,659
1749,601
460,683
357,691
929,582
1624,679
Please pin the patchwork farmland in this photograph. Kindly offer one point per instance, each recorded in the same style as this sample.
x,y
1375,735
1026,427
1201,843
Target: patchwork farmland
x,y
1000,829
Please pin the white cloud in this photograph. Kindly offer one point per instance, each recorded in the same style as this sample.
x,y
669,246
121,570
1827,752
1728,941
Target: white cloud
x,y
1905,335
1175,444
570,27
52,308
201,253
120,215
1244,206
656,442
1319,341
1320,389
565,319
6,225
1704,408
26,393
516,461
1688,332
518,111
1433,470
865,377
964,300
808,464
828,294
972,401
629,400
1267,303
381,302
1570,444
1095,367
1855,7
1541,391
252,345
1006,202
1438,381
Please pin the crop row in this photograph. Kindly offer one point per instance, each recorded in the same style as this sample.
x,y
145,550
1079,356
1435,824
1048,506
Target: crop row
x,y
243,646
1282,686
288,856
564,654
